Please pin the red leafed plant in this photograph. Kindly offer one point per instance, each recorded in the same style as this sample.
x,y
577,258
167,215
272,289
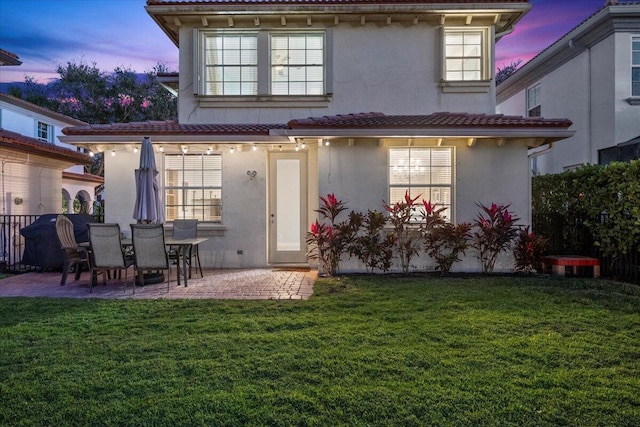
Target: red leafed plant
x,y
406,238
327,239
528,250
495,231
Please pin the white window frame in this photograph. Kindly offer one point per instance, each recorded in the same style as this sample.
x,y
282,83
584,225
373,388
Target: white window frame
x,y
635,66
178,205
44,131
244,63
534,101
418,187
264,66
283,64
484,55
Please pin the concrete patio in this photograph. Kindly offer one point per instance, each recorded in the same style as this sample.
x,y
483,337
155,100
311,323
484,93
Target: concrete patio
x,y
246,284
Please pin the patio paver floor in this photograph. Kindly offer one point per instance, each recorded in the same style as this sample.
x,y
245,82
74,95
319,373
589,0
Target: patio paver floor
x,y
246,284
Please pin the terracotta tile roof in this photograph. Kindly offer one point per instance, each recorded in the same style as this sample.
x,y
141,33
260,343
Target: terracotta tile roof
x,y
15,141
171,127
9,58
436,120
316,2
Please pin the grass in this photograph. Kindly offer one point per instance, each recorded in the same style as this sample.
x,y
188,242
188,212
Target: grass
x,y
363,351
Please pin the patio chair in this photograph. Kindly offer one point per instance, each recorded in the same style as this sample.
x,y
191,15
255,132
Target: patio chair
x,y
106,252
149,251
74,256
187,229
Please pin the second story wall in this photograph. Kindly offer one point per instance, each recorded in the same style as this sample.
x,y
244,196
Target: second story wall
x,y
394,69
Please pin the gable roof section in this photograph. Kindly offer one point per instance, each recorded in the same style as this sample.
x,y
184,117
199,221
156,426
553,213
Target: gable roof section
x,y
9,58
436,120
17,142
363,125
40,110
171,127
615,17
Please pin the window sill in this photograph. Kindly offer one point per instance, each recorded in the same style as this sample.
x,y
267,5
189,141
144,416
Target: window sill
x,y
264,101
204,228
480,86
633,100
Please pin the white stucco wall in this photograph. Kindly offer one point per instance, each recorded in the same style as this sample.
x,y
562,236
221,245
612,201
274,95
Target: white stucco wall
x,y
359,176
590,90
393,69
38,186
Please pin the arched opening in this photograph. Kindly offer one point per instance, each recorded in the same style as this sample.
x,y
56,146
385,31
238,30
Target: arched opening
x,y
83,203
66,202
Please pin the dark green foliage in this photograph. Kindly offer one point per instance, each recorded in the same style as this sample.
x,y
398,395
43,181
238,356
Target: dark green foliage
x,y
495,231
529,250
371,244
604,199
446,242
505,72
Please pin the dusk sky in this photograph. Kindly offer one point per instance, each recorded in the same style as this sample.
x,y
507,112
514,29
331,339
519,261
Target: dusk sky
x,y
120,33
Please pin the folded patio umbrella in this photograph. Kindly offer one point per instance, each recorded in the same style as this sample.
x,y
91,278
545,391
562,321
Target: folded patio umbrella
x,y
148,207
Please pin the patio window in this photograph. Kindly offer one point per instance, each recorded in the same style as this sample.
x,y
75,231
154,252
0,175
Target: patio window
x,y
635,66
466,54
254,63
45,132
193,187
534,107
424,172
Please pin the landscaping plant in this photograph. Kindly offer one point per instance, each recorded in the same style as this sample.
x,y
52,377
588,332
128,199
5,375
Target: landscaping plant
x,y
495,231
370,243
406,238
328,238
528,251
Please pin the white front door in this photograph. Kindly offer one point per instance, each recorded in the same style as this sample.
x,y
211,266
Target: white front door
x,y
287,207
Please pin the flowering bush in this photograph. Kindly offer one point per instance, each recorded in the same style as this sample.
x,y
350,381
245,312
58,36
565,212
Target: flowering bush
x,y
327,239
495,231
407,245
528,250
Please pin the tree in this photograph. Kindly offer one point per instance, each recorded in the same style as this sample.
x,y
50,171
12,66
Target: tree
x,y
86,93
503,73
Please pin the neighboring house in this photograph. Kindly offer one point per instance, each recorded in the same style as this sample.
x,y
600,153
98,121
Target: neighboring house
x,y
592,76
43,183
276,107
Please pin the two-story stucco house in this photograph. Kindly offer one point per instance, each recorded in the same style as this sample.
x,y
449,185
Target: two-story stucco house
x,y
592,76
283,101
36,167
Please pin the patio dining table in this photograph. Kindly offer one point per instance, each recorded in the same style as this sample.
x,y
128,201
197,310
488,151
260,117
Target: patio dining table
x,y
182,247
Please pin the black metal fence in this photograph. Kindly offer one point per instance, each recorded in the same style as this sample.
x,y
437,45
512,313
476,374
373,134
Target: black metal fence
x,y
12,243
569,236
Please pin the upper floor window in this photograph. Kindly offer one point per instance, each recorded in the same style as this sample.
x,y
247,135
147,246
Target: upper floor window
x,y
262,63
297,64
231,64
534,107
193,187
45,132
635,66
424,172
466,54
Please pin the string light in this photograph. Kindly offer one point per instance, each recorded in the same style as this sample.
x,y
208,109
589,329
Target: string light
x,y
91,154
208,151
135,149
304,145
113,153
232,150
184,149
161,149
255,147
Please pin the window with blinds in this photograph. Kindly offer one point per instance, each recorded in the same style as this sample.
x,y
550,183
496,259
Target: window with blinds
x,y
193,187
231,64
424,172
465,55
297,64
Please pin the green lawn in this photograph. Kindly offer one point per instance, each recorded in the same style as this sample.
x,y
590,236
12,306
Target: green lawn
x,y
383,351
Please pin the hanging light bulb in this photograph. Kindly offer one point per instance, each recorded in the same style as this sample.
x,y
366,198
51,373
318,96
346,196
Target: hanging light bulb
x,y
297,147
255,147
232,150
304,145
280,147
161,149
91,154
135,149
208,151
113,153
326,142
184,149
